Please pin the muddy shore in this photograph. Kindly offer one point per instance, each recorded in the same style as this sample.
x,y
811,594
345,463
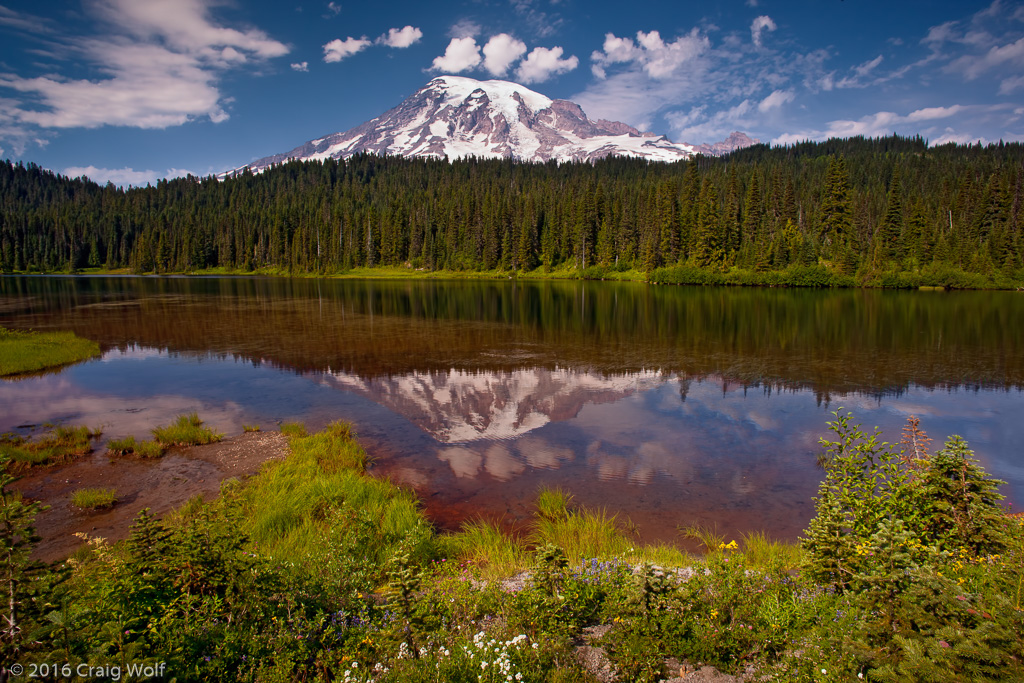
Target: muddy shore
x,y
161,485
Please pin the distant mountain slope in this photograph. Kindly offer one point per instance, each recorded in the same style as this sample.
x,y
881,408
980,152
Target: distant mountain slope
x,y
458,117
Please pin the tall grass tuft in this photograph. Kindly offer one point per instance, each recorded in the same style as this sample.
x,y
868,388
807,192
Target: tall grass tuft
x,y
186,430
296,429
581,534
485,545
60,445
129,446
708,536
306,502
553,503
94,498
762,552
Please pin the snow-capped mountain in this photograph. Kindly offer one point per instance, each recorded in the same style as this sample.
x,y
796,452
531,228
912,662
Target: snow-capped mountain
x,y
457,117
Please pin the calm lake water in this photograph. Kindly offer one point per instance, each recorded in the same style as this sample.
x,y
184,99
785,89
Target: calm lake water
x,y
667,405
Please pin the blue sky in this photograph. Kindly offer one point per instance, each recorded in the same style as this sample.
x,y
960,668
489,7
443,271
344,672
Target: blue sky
x,y
134,90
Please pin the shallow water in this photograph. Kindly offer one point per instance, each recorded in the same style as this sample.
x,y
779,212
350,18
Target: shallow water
x,y
668,405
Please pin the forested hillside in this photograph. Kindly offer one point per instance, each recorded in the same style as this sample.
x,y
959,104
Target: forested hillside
x,y
853,207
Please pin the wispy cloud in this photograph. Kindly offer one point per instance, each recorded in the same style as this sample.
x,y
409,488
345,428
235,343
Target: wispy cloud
x,y
300,66
157,64
759,26
123,177
873,125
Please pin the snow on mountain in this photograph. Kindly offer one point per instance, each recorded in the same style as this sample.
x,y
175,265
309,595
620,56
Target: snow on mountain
x,y
457,117
461,407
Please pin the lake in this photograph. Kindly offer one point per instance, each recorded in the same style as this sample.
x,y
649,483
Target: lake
x,y
669,406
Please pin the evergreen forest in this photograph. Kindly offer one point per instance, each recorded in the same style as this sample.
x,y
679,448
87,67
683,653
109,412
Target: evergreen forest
x,y
889,211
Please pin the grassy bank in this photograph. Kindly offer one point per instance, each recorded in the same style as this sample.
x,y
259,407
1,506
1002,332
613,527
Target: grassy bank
x,y
23,352
313,570
933,276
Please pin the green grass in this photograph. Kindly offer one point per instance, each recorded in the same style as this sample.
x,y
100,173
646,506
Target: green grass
x,y
492,552
130,446
553,503
22,352
62,444
186,430
250,428
94,498
292,506
764,553
296,429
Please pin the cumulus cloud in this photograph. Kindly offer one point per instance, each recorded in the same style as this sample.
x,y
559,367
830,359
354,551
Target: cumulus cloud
x,y
401,37
339,49
300,66
158,66
460,55
656,57
500,52
465,28
760,25
543,63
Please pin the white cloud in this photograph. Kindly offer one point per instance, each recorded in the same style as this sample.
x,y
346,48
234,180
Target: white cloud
x,y
123,176
466,28
775,100
157,66
401,37
972,66
656,57
460,55
872,125
185,25
697,127
760,25
860,72
334,9
1009,85
500,52
543,63
339,49
300,66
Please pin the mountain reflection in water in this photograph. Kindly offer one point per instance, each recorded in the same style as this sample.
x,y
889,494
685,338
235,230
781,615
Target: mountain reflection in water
x,y
668,405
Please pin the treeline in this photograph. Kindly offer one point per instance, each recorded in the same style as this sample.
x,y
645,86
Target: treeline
x,y
852,208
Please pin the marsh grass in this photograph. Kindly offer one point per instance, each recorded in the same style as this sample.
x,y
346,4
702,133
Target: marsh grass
x,y
761,552
94,498
186,430
61,444
130,446
250,428
296,429
707,535
24,352
493,553
293,505
553,503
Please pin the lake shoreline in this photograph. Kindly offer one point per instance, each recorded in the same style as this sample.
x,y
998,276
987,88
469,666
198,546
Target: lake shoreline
x,y
813,276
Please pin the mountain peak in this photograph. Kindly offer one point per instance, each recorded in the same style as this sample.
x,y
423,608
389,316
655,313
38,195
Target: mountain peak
x,y
455,116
